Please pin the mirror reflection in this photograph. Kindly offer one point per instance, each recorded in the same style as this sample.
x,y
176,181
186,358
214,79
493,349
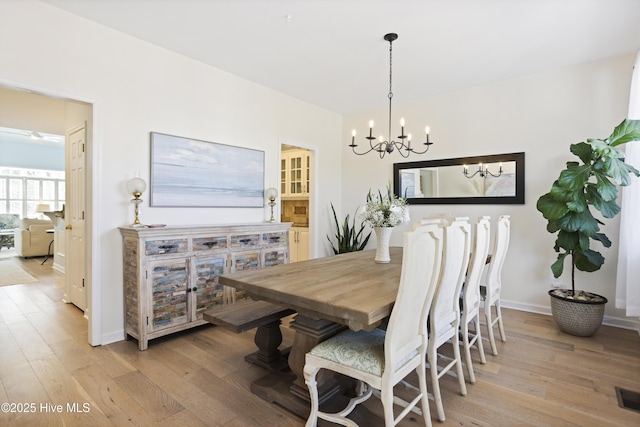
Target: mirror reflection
x,y
480,179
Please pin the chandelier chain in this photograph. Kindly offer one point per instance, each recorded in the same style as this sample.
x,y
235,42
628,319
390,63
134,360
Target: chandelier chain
x,y
390,95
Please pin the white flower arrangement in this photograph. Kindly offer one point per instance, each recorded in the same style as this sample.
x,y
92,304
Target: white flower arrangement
x,y
386,210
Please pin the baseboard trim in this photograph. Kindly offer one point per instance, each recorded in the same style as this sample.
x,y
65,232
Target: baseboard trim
x,y
623,323
112,337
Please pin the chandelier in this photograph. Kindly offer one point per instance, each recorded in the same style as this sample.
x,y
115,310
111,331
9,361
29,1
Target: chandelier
x,y
382,147
482,170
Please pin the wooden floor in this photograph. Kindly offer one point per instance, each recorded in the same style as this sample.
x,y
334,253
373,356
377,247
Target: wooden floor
x,y
540,378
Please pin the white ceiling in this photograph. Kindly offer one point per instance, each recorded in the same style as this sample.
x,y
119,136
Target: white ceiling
x,y
331,52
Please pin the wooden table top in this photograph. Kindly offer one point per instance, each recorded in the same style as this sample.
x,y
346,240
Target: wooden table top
x,y
349,288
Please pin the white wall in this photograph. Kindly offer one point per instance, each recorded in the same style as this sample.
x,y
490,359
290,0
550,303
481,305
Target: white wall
x,y
540,115
136,88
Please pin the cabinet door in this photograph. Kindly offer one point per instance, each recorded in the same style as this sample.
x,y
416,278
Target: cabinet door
x,y
303,244
208,292
243,261
293,244
283,177
306,173
295,174
298,244
168,293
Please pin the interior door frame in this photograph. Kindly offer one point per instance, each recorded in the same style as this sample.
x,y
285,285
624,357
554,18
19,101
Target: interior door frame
x,y
93,252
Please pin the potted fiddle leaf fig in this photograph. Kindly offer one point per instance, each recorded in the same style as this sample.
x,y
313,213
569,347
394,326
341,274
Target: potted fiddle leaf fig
x,y
586,187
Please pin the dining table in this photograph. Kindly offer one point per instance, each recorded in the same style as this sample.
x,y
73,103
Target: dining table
x,y
329,295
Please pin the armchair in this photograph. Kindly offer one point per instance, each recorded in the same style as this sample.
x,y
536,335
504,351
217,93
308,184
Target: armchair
x,y
31,237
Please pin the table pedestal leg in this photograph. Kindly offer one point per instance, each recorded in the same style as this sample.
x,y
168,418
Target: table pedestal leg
x,y
289,389
309,333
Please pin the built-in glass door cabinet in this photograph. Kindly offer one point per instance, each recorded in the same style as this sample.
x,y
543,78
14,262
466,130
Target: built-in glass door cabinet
x,y
171,274
294,174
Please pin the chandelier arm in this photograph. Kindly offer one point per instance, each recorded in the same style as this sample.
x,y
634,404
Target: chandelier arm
x,y
408,151
472,175
353,148
413,150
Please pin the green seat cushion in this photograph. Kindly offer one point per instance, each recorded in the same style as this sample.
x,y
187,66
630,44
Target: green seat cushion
x,y
363,351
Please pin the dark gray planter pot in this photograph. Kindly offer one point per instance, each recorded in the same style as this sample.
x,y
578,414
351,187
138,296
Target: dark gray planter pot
x,y
575,317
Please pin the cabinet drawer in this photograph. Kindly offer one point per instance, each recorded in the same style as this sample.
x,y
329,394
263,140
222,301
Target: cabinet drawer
x,y
244,240
274,257
209,243
162,247
275,238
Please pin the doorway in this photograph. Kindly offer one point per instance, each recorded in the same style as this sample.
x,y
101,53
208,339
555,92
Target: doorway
x,y
297,191
31,108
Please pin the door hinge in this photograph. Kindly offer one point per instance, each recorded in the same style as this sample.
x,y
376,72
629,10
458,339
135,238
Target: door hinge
x,y
147,320
83,148
83,282
146,274
82,214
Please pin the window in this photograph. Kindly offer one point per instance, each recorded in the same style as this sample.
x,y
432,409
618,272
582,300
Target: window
x,y
21,190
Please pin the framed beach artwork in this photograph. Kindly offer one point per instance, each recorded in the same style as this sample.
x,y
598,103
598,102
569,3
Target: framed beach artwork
x,y
188,172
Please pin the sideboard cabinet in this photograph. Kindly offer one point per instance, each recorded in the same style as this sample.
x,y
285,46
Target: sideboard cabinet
x,y
171,273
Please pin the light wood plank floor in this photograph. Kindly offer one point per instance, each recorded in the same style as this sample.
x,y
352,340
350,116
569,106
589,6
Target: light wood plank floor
x,y
540,378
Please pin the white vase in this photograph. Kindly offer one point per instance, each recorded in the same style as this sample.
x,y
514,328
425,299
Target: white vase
x,y
383,235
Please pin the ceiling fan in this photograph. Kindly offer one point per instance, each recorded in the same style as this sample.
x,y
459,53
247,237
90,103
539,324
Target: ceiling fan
x,y
27,135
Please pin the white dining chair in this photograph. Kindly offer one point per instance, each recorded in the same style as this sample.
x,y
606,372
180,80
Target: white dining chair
x,y
444,316
491,290
381,359
471,294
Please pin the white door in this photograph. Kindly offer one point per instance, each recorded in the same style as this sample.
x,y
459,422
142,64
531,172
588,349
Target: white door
x,y
74,217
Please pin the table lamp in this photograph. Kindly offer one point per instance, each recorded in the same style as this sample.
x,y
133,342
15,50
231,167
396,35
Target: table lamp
x,y
42,207
271,194
136,186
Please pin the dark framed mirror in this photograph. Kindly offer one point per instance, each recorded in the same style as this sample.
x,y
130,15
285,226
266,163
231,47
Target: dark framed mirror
x,y
494,179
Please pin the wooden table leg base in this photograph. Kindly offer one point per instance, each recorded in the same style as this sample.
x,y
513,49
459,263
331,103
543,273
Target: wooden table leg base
x,y
273,365
278,388
275,388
